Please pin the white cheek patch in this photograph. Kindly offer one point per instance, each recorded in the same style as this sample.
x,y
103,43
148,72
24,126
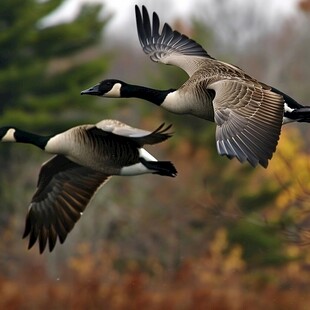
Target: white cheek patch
x,y
9,136
115,91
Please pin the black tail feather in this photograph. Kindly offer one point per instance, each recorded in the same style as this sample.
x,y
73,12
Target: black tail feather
x,y
301,115
296,112
165,168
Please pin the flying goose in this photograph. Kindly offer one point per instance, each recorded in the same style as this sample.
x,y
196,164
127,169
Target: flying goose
x,y
248,114
87,156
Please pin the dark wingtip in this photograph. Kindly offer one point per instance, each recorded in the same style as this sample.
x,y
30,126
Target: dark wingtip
x,y
52,239
163,129
42,235
32,239
139,24
150,38
30,231
27,227
137,11
264,163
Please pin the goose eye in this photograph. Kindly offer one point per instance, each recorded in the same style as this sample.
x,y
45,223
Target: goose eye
x,y
105,85
108,84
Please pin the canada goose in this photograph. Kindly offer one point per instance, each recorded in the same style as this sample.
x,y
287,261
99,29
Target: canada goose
x,y
86,157
248,114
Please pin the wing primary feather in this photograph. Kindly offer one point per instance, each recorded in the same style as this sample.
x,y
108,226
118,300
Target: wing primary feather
x,y
27,229
43,236
33,236
62,234
141,34
146,24
156,24
52,238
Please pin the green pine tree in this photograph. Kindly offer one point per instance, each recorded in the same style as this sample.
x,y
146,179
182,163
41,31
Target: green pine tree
x,y
42,71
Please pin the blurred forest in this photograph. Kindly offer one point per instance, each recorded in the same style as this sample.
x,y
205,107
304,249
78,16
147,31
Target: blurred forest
x,y
220,236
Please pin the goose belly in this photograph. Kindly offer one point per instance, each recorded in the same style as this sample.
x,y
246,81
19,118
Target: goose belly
x,y
187,103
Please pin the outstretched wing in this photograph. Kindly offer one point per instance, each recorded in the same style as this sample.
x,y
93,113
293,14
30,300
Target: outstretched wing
x,y
64,189
249,120
137,135
158,135
169,46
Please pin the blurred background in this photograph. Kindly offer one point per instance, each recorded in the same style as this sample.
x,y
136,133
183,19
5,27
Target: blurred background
x,y
221,235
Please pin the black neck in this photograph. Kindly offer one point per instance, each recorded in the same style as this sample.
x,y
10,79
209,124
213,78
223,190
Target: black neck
x,y
31,138
153,95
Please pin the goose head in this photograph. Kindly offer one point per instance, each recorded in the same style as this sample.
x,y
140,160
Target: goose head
x,y
110,88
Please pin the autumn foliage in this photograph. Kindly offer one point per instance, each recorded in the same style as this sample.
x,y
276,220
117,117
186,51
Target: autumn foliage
x,y
219,279
222,274
221,235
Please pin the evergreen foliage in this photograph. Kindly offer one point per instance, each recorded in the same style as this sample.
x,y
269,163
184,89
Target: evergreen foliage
x,y
43,69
